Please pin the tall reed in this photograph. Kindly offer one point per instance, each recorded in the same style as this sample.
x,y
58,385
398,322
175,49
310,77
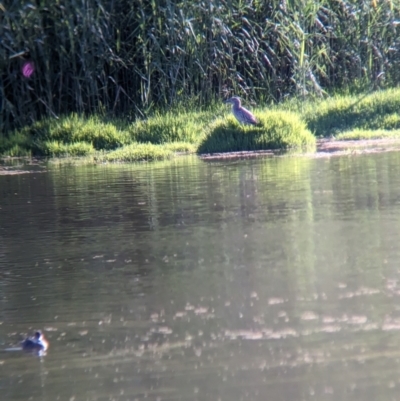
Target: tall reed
x,y
131,57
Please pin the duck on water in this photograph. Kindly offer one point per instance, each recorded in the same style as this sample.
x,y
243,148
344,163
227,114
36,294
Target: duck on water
x,y
36,344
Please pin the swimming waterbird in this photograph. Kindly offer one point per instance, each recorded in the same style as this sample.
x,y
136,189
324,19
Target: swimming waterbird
x,y
37,343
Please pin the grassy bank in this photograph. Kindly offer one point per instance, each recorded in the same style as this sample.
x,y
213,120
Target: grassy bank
x,y
291,125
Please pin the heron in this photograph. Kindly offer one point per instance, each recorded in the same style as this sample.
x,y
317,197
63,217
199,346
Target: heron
x,y
243,115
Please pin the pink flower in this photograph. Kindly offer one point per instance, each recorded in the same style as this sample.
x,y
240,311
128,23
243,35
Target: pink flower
x,y
28,69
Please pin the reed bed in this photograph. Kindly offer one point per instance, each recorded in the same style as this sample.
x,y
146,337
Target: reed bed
x,y
131,58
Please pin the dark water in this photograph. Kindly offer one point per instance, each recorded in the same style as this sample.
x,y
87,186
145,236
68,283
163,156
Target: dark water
x,y
270,279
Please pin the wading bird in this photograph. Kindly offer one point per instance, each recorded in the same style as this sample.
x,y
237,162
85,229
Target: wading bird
x,y
243,115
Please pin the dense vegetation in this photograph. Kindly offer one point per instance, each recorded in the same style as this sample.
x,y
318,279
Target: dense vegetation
x,y
131,58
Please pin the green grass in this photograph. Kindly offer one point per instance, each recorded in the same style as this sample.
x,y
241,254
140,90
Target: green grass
x,y
76,129
16,150
275,130
60,149
75,135
171,127
181,147
18,144
290,125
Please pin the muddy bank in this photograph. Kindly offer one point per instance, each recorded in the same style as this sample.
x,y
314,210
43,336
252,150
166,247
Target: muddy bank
x,y
10,171
325,148
22,165
358,146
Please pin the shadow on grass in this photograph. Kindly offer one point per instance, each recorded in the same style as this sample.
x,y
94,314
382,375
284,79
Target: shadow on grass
x,y
378,110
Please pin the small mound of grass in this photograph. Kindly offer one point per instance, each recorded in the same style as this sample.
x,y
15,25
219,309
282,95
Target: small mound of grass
x,y
60,149
181,147
275,130
17,151
74,129
138,152
17,145
170,127
359,134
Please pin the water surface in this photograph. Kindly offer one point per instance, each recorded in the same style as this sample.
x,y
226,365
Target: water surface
x,y
275,278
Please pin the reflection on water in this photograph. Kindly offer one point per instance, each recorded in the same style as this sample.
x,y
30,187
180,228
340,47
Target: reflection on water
x,y
269,279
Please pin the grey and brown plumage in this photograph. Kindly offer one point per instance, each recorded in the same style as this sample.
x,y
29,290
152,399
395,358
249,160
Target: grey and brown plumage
x,y
243,115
